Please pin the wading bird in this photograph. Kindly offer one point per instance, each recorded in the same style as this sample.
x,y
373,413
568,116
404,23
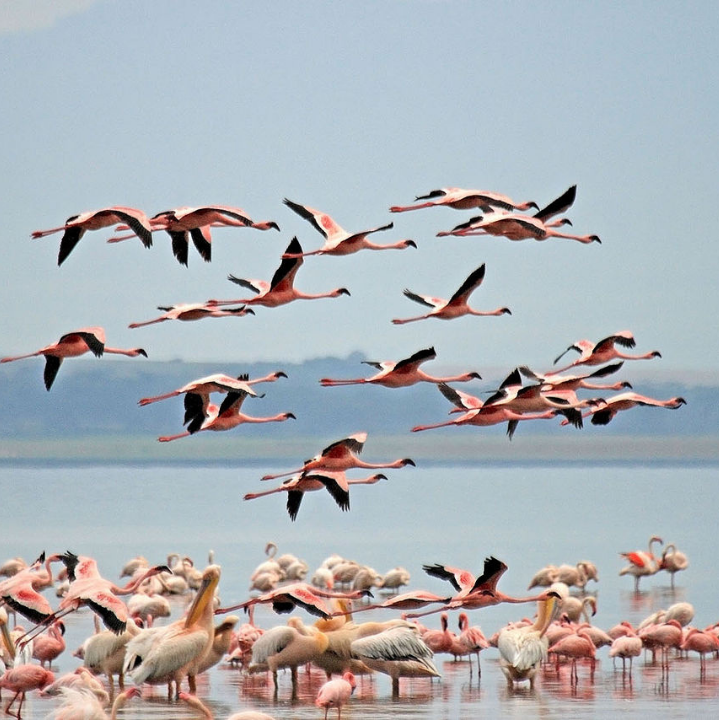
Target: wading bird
x,y
76,226
462,199
74,344
641,562
193,311
337,240
456,306
336,693
402,373
280,290
342,455
673,560
20,680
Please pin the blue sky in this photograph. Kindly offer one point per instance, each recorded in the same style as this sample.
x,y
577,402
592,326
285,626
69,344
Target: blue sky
x,y
351,107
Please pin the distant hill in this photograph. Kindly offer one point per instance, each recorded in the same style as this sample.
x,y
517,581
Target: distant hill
x,y
97,399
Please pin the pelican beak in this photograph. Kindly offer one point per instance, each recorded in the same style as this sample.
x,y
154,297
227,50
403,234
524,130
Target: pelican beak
x,y
205,594
7,640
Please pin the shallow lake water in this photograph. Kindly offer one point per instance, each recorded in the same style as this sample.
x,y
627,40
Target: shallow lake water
x,y
528,515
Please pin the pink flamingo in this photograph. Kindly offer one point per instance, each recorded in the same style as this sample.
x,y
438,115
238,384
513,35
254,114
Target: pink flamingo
x,y
456,306
605,412
20,680
402,373
462,199
193,311
336,693
219,418
216,383
78,703
74,344
197,221
641,562
476,413
557,381
195,702
440,640
336,483
286,598
605,351
472,640
88,588
662,636
337,240
280,290
406,601
76,226
47,646
702,642
20,592
342,455
576,646
626,647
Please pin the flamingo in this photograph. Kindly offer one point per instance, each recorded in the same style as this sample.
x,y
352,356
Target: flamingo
x,y
472,640
80,703
337,240
559,382
606,411
402,373
342,455
522,649
702,642
49,645
406,601
641,563
604,351
195,702
89,588
441,640
76,226
193,311
197,221
626,646
336,693
662,636
576,646
673,561
477,413
336,483
456,306
176,651
216,383
219,418
74,344
287,646
285,599
79,680
20,680
462,199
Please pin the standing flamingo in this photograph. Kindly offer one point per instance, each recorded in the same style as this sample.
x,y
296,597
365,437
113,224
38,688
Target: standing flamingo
x,y
76,226
342,455
462,199
47,646
220,418
336,483
280,290
575,646
604,351
641,563
673,561
626,646
336,693
73,344
402,373
337,240
193,311
20,680
456,306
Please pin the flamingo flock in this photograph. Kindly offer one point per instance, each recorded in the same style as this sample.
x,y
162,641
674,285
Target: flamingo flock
x,y
558,645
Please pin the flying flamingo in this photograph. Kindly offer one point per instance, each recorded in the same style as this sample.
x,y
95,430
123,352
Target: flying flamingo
x,y
342,455
88,588
462,199
476,413
641,562
280,290
337,240
74,344
605,412
76,226
216,383
402,373
406,601
456,306
522,649
336,693
604,351
557,381
220,418
20,680
286,598
336,483
193,311
197,221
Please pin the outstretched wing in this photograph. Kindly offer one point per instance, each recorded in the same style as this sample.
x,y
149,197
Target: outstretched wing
x,y
470,284
562,203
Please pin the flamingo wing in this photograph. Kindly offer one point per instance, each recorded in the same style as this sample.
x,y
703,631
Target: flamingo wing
x,y
469,285
408,364
322,222
284,276
95,341
233,400
459,579
52,365
433,194
340,448
256,286
334,486
70,238
624,339
137,222
179,245
294,500
492,571
202,238
562,203
195,410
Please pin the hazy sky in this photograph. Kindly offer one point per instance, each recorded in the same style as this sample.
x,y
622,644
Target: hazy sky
x,y
351,107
